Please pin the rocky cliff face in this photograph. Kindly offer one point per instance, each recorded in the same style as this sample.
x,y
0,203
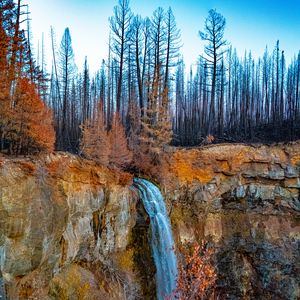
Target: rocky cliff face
x,y
72,230
245,201
65,225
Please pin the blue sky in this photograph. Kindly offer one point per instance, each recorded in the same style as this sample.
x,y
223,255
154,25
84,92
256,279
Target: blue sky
x,y
250,25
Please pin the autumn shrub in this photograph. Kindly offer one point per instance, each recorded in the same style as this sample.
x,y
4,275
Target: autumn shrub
x,y
142,159
196,272
153,165
53,166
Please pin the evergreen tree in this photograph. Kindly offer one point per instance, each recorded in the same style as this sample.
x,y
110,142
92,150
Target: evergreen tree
x,y
120,156
214,34
94,142
25,120
30,129
156,126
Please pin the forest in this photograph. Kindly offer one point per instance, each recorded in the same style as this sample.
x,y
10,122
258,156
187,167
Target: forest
x,y
142,99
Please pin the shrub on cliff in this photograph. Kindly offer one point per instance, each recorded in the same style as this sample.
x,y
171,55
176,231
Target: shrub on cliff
x,y
196,273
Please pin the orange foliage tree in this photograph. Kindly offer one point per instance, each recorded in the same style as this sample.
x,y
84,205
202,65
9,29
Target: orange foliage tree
x,y
94,143
106,148
4,83
197,275
30,127
134,124
120,156
25,120
5,110
155,134
156,129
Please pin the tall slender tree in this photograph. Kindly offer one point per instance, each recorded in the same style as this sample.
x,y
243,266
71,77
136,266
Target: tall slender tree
x,y
213,34
94,142
120,156
67,73
119,25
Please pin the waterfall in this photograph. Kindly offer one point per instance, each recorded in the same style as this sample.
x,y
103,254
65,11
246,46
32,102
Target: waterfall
x,y
2,289
162,243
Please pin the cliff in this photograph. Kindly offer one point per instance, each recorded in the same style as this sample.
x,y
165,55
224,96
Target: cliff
x,y
244,200
70,229
65,224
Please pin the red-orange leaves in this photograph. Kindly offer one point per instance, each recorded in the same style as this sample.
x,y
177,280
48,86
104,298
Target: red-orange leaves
x,y
94,143
120,156
196,273
30,129
106,148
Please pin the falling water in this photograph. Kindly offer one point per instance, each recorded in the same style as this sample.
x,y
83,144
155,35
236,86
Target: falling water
x,y
2,290
162,243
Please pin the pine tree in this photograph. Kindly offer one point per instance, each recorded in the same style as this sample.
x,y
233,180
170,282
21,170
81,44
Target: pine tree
x,y
120,156
30,129
6,28
213,34
120,24
67,72
133,125
156,131
25,120
94,143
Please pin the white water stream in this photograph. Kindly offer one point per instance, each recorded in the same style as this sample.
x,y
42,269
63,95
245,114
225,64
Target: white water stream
x,y
162,243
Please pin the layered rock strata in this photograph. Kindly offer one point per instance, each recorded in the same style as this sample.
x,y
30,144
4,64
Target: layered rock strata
x,y
244,200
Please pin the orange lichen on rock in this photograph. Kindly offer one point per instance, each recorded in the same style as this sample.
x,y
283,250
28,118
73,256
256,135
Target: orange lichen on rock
x,y
295,160
184,169
203,164
53,166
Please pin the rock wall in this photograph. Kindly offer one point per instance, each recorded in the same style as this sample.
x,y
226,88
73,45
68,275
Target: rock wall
x,y
65,225
70,229
244,200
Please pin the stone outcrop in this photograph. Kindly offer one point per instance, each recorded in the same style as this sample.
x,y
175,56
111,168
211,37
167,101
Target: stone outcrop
x,y
244,200
65,224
